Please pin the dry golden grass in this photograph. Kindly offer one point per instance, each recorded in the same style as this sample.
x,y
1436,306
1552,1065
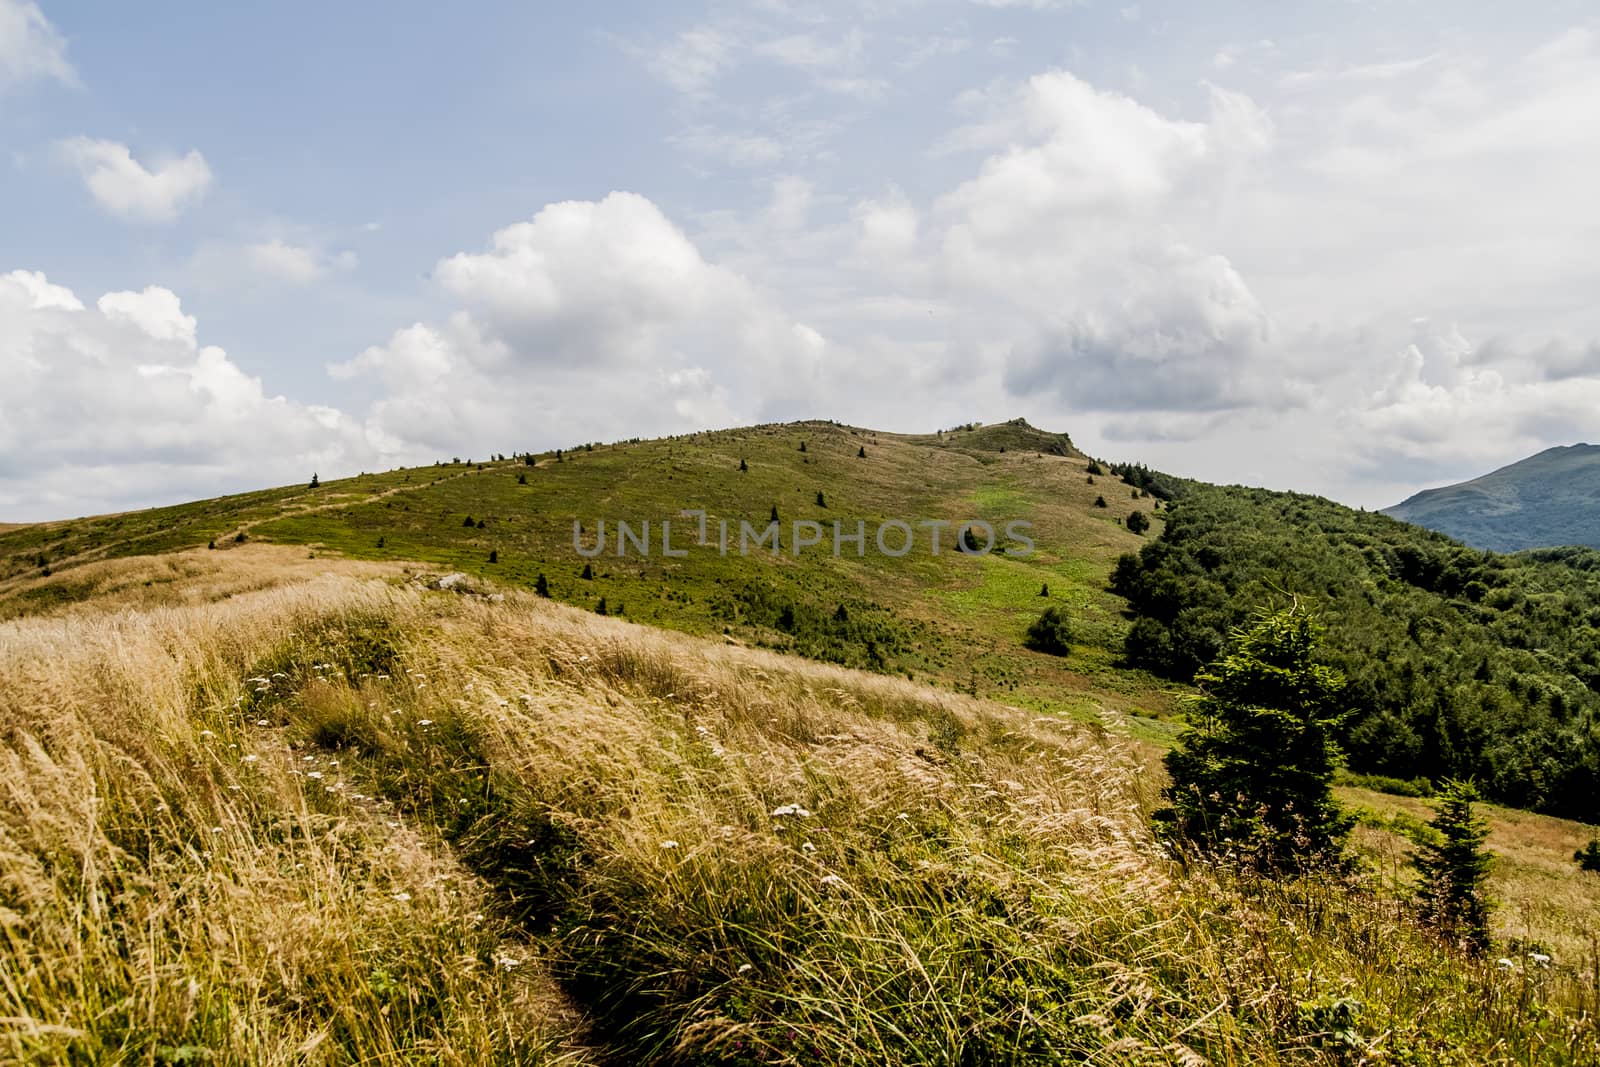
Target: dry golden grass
x,y
305,814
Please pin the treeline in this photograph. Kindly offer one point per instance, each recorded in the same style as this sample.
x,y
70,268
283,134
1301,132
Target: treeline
x,y
1460,663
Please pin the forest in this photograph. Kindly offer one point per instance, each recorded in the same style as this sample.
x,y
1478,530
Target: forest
x,y
1460,663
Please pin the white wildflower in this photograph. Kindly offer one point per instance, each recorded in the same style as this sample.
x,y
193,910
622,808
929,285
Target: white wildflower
x,y
746,968
402,896
669,843
251,758
1505,964
832,879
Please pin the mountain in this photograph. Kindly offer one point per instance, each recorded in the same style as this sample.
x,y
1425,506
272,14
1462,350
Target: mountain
x,y
1546,500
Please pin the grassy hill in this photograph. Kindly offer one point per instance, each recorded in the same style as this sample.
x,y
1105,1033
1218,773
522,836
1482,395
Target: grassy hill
x,y
309,811
955,618
1549,499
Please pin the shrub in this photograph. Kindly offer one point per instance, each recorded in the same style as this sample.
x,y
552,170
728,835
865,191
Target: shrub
x,y
600,608
821,500
1138,522
469,521
588,572
541,585
1050,633
1095,468
1044,590
1588,857
522,479
315,481
494,555
1099,501
861,452
743,465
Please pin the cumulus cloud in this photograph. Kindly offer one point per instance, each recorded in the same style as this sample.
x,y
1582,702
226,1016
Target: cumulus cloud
x,y
31,49
131,191
119,404
592,317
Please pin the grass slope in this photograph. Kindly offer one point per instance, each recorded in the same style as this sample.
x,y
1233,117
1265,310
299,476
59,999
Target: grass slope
x,y
955,618
334,818
1549,499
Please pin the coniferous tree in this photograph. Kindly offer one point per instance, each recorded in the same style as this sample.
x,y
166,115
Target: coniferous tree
x,y
821,500
861,452
774,513
600,608
469,521
522,479
528,459
541,585
1454,869
743,465
1138,522
213,544
494,555
588,573
802,446
1044,590
315,481
1252,775
1099,501
382,541
1588,857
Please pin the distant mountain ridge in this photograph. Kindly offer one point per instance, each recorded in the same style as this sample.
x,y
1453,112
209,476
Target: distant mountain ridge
x,y
1549,499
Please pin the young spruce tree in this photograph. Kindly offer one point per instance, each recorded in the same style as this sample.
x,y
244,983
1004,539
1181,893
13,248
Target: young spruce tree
x,y
1454,868
1253,773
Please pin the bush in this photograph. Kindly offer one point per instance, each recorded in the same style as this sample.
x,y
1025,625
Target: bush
x,y
1138,522
1588,857
1050,633
1099,501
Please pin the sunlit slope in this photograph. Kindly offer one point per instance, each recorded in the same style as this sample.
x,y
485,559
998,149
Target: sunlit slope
x,y
337,818
955,617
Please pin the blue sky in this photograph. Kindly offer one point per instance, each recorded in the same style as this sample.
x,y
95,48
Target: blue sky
x,y
1340,247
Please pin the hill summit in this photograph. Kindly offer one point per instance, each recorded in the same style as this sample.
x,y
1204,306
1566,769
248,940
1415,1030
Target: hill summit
x,y
1549,499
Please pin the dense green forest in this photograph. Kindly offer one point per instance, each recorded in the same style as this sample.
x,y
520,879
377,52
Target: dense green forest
x,y
1460,663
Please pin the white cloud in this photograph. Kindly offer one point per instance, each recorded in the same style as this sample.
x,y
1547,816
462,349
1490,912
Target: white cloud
x,y
296,264
31,48
791,202
119,405
126,188
592,318
887,227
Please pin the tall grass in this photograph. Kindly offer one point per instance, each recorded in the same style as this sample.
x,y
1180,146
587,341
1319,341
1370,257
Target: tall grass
x,y
342,822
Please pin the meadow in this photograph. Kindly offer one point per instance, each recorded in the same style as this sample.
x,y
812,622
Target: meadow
x,y
272,809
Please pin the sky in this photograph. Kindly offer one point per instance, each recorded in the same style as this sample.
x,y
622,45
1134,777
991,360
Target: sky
x,y
1339,247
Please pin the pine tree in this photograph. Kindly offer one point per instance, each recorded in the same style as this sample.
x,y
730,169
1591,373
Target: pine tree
x,y
774,513
1588,857
381,541
1138,522
522,479
802,446
821,500
743,465
494,555
600,608
541,585
1454,868
315,481
213,544
588,573
1099,501
528,460
469,521
1044,590
1253,772
861,452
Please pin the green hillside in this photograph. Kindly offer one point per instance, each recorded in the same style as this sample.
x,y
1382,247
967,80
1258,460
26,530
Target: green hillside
x,y
1460,662
1548,499
954,617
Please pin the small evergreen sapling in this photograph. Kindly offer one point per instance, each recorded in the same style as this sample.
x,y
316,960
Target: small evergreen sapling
x,y
1588,857
1252,774
1454,869
588,573
541,585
